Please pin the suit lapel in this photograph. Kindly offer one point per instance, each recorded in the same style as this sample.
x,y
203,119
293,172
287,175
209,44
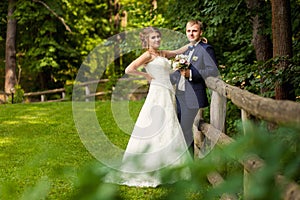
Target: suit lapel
x,y
196,52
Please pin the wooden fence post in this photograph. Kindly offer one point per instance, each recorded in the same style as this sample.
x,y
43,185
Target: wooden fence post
x,y
218,111
217,115
198,136
63,95
217,119
43,98
87,93
245,117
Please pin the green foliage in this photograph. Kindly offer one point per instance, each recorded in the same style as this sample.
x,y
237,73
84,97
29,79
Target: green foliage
x,y
279,149
46,50
142,14
68,91
230,32
233,119
44,46
17,96
271,74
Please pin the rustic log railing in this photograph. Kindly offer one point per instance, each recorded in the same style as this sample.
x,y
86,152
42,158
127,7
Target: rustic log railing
x,y
43,94
275,111
87,91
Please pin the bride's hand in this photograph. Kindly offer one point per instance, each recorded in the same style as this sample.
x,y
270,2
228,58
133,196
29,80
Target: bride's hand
x,y
149,78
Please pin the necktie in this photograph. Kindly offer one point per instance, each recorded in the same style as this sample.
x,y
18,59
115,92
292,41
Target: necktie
x,y
191,47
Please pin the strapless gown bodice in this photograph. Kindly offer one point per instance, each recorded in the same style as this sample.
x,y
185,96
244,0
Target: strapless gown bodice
x,y
159,68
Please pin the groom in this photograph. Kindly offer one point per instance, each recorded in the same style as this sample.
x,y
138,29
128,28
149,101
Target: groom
x,y
191,89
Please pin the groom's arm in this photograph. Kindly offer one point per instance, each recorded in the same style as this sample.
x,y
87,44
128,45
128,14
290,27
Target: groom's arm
x,y
210,67
174,77
194,75
210,50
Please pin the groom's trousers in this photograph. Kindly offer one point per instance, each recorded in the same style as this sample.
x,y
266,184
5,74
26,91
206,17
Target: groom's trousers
x,y
186,118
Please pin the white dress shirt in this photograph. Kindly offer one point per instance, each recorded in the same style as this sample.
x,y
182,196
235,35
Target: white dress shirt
x,y
181,84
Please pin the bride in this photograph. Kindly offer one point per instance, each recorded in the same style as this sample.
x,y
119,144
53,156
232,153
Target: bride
x,y
157,141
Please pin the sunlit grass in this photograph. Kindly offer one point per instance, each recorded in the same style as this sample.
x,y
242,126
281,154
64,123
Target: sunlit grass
x,y
43,143
5,141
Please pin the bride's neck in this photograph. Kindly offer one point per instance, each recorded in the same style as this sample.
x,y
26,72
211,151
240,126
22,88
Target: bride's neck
x,y
155,52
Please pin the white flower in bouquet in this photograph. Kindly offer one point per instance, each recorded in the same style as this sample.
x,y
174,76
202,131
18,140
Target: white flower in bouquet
x,y
180,62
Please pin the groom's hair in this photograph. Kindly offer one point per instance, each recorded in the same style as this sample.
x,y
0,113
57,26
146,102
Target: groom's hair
x,y
193,22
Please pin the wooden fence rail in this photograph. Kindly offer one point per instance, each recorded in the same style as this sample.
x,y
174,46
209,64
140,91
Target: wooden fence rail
x,y
275,111
85,85
44,93
278,111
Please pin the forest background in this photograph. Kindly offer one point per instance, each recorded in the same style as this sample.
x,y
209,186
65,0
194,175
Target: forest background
x,y
257,49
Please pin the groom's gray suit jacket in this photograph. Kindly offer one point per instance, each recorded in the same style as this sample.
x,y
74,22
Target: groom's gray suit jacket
x,y
203,64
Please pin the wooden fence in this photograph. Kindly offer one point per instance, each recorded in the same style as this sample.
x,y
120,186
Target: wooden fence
x,y
88,94
276,111
43,94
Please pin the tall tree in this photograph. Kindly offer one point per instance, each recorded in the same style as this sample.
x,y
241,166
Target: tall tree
x,y
282,44
10,52
261,41
116,19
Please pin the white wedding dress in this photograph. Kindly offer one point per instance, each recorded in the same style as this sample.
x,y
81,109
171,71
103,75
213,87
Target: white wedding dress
x,y
157,142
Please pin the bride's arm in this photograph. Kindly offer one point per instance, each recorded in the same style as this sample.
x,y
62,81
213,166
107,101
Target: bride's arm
x,y
173,53
134,65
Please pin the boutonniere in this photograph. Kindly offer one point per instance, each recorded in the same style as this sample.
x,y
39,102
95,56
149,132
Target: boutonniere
x,y
194,58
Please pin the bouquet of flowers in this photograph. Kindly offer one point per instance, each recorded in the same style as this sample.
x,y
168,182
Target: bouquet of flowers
x,y
180,62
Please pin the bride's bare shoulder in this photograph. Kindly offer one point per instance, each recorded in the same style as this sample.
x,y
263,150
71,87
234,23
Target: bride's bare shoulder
x,y
147,57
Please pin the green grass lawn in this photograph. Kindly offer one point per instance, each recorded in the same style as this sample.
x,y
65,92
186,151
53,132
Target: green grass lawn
x,y
42,156
38,143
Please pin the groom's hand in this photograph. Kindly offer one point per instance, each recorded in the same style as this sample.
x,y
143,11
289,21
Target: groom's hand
x,y
185,73
182,72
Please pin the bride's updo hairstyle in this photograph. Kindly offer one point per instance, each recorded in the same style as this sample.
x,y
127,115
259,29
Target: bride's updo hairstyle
x,y
144,35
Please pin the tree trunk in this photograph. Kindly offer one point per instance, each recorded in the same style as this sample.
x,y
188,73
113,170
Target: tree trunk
x,y
261,42
282,44
10,51
117,20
